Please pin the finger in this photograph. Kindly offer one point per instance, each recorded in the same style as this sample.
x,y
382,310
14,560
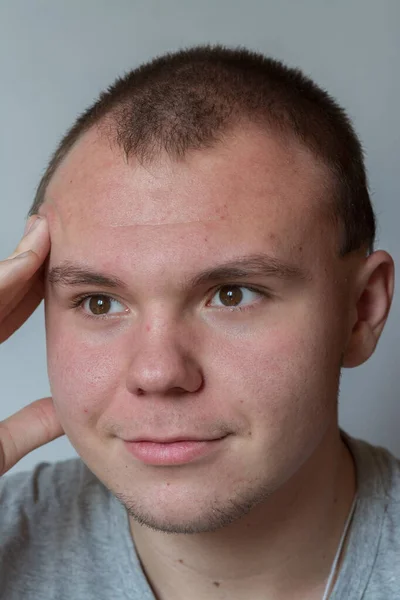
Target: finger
x,y
31,427
16,281
15,294
22,310
15,290
36,238
16,272
11,295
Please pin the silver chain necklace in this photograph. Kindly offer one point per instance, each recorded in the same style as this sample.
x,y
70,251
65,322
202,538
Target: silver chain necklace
x,y
339,550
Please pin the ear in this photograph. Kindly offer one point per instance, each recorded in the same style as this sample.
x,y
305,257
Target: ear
x,y
372,301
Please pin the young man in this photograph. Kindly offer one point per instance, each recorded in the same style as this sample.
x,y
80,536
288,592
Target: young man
x,y
203,238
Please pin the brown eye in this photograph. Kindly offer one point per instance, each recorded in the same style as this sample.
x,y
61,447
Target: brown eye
x,y
230,295
99,305
237,297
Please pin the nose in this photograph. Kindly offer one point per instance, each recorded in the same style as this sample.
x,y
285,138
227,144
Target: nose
x,y
162,366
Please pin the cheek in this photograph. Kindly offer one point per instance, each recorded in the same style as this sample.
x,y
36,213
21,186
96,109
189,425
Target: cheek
x,y
83,377
286,374
286,388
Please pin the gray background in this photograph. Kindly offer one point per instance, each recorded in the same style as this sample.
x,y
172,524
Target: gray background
x,y
56,56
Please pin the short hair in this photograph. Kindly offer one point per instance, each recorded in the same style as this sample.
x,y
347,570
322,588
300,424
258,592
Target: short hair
x,y
189,99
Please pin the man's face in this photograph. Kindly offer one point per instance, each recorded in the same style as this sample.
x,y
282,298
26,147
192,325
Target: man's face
x,y
160,356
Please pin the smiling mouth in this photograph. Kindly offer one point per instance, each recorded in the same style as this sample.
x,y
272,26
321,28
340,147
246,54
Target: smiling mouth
x,y
173,451
173,440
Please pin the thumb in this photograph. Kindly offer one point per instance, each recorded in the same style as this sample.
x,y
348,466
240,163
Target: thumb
x,y
31,427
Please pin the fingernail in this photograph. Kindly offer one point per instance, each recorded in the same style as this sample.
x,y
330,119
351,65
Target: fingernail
x,y
32,223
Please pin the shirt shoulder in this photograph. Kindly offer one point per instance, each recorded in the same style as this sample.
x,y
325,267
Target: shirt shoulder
x,y
64,535
44,480
48,489
50,517
378,470
370,568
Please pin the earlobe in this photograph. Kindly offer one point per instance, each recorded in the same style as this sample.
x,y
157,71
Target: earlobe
x,y
361,346
372,304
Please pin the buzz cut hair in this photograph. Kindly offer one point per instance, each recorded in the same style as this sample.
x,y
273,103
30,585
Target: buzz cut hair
x,y
191,99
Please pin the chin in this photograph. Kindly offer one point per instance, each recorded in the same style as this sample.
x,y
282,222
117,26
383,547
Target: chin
x,y
186,520
186,510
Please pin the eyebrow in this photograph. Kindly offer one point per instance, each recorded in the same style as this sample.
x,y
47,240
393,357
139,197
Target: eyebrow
x,y
71,274
250,266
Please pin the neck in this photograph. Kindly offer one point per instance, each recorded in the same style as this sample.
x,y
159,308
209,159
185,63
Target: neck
x,y
284,548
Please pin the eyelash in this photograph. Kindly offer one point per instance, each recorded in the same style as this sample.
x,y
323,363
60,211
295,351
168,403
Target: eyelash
x,y
77,303
262,293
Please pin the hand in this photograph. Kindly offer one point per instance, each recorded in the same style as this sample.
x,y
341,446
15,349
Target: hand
x,y
21,291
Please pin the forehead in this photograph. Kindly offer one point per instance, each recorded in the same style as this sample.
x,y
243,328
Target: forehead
x,y
250,186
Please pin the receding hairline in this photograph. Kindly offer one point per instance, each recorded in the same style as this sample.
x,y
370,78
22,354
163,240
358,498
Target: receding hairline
x,y
322,173
186,99
110,124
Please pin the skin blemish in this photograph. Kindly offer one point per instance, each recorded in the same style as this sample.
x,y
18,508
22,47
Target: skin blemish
x,y
221,212
180,561
147,327
216,583
85,410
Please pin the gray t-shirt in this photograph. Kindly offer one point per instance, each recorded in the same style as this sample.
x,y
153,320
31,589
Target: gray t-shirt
x,y
63,535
